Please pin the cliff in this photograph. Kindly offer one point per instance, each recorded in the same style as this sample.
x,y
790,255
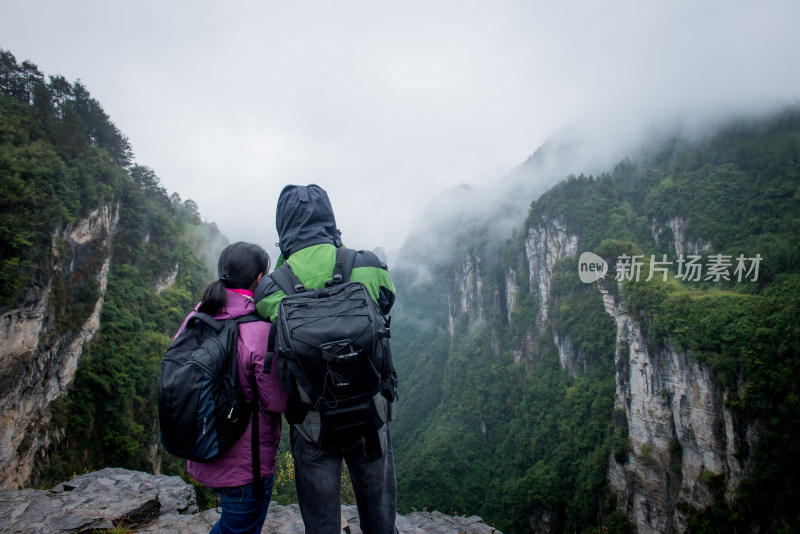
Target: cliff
x,y
98,266
40,355
682,437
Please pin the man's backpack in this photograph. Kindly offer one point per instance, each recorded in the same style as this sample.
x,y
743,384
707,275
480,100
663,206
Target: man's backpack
x,y
201,408
335,364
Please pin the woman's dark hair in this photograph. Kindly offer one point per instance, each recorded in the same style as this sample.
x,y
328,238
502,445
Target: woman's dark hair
x,y
239,266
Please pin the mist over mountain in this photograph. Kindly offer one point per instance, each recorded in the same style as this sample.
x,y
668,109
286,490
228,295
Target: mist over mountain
x,y
590,147
656,403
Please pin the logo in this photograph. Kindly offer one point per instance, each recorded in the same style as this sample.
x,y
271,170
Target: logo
x,y
691,268
591,267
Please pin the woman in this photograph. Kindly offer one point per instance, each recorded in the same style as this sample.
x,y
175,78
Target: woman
x,y
241,266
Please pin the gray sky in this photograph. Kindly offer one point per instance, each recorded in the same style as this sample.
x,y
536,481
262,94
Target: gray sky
x,y
388,104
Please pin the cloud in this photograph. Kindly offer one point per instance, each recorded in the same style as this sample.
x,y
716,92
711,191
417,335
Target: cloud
x,y
387,105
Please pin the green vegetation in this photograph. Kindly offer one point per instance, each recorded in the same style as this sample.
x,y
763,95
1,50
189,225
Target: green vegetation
x,y
61,159
491,436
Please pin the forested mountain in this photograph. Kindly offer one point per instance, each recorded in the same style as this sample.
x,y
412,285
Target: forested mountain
x,y
99,266
546,404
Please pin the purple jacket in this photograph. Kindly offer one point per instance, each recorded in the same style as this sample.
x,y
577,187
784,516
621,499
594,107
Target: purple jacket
x,y
234,467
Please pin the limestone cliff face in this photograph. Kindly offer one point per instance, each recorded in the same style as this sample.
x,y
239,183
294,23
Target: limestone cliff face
x,y
547,243
673,233
682,439
471,296
40,354
466,295
168,280
511,290
571,359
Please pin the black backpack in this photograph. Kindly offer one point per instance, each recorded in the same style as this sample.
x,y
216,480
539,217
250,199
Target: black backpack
x,y
334,359
201,408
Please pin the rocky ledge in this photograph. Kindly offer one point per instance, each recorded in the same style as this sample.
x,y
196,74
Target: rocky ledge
x,y
142,502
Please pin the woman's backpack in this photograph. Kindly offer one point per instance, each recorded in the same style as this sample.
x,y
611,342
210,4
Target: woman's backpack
x,y
201,408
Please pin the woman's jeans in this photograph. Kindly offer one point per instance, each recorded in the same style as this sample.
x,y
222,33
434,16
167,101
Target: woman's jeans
x,y
318,473
242,512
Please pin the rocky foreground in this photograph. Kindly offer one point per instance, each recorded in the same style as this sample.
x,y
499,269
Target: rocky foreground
x,y
142,502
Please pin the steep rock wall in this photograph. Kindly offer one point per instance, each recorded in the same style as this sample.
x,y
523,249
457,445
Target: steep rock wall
x,y
682,440
681,437
571,359
675,232
511,290
39,357
466,294
168,280
682,443
545,244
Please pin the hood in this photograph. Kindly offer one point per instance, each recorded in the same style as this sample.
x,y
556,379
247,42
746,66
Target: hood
x,y
236,305
304,217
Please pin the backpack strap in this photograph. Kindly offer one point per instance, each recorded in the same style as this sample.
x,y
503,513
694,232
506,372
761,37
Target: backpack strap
x,y
270,350
345,259
207,319
249,318
293,366
217,324
290,284
258,488
255,445
287,280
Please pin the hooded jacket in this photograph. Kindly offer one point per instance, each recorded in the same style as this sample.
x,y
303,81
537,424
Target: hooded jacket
x,y
235,466
308,239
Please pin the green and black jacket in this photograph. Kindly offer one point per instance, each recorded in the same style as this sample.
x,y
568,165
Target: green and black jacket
x,y
308,241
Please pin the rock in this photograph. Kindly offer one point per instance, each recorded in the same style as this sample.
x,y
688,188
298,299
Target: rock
x,y
678,428
100,500
166,505
545,244
175,523
37,361
438,523
287,520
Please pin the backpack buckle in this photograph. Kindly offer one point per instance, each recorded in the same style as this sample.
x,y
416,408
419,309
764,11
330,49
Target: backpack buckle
x,y
337,278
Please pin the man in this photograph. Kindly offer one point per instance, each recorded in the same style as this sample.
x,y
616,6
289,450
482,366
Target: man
x,y
308,240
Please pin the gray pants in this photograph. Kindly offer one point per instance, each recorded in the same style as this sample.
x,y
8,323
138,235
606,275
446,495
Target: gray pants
x,y
318,473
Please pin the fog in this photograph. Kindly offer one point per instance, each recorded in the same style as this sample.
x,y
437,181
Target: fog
x,y
390,105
